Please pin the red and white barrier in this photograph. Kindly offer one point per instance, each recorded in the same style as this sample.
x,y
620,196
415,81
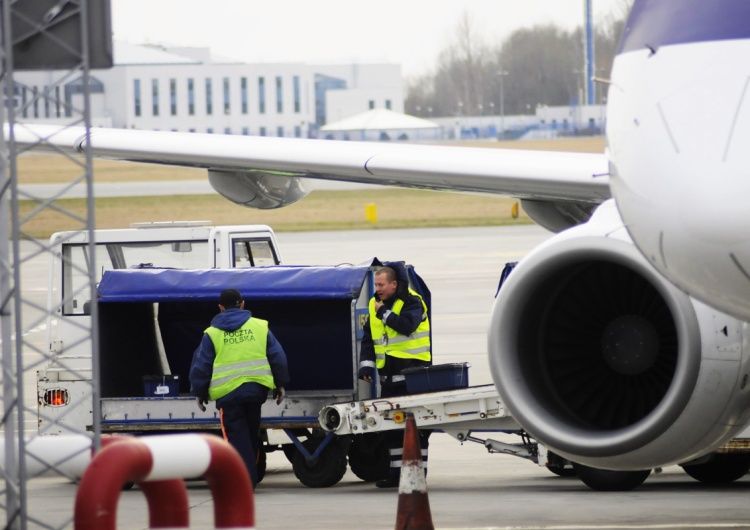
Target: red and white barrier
x,y
159,464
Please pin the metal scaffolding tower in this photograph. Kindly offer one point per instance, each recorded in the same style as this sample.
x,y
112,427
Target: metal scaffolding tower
x,y
65,39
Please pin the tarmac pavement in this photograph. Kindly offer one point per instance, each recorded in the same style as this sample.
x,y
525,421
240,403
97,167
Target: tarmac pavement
x,y
467,487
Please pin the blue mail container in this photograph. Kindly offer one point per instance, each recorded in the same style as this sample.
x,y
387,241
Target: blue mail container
x,y
436,378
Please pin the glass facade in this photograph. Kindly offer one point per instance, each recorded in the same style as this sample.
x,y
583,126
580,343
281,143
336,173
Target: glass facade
x,y
262,95
173,97
227,107
243,94
136,97
191,97
209,98
155,97
297,94
279,96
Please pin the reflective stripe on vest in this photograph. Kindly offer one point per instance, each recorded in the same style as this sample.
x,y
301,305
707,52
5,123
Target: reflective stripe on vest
x,y
240,357
391,342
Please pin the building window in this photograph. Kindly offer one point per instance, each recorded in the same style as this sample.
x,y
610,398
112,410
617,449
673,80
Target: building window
x,y
245,131
137,96
35,95
280,131
262,131
226,95
173,97
243,94
297,131
46,102
210,130
262,96
227,130
372,104
191,97
24,102
279,100
57,101
297,96
388,104
155,96
209,98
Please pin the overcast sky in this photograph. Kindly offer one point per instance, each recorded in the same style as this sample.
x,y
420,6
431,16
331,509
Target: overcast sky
x,y
407,32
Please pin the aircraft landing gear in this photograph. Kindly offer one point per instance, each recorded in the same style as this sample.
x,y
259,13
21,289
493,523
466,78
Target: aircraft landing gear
x,y
721,469
606,480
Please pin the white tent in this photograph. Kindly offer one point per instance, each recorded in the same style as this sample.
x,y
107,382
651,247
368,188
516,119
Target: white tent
x,y
382,124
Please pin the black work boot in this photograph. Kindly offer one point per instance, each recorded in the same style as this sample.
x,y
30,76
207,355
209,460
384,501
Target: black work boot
x,y
391,481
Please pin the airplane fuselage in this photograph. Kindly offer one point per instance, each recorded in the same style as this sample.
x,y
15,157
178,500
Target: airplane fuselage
x,y
678,133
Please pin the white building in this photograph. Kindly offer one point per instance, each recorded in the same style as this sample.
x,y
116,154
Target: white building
x,y
185,89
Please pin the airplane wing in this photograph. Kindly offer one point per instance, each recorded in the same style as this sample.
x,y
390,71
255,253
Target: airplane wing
x,y
268,166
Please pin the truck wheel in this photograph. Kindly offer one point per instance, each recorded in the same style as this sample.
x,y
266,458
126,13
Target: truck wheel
x,y
606,480
721,469
368,457
289,450
329,468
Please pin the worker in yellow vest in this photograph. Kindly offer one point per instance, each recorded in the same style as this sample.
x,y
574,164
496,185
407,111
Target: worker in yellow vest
x,y
396,336
237,363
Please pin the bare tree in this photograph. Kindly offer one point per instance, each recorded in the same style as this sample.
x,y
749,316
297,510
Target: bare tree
x,y
542,65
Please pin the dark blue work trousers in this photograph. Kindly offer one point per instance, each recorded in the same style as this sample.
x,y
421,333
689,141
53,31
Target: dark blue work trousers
x,y
240,424
394,439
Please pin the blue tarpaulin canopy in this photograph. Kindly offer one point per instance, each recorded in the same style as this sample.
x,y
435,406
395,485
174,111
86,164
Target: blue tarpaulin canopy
x,y
258,283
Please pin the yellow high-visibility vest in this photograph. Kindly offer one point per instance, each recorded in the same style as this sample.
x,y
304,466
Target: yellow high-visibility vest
x,y
388,341
240,357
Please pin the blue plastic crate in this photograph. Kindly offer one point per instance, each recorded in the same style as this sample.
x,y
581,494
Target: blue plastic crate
x,y
436,378
161,385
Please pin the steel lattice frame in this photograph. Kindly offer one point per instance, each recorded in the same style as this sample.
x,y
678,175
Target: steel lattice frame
x,y
21,358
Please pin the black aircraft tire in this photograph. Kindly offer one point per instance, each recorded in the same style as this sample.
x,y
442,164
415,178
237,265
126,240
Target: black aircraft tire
x,y
369,458
606,480
722,469
327,471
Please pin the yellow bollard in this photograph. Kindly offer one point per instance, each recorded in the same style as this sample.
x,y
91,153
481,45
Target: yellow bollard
x,y
514,210
371,213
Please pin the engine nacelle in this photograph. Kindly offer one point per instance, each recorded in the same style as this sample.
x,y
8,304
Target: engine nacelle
x,y
600,358
258,189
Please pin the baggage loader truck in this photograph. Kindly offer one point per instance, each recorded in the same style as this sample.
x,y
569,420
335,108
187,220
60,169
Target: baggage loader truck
x,y
151,320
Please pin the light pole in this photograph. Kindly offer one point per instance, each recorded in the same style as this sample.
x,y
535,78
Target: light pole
x,y
502,74
458,121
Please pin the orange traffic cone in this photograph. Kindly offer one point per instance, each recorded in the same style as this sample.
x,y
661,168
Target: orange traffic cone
x,y
413,504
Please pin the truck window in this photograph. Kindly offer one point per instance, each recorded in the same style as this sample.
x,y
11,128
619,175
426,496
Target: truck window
x,y
76,264
253,253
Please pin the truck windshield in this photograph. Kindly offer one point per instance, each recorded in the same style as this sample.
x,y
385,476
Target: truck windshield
x,y
76,263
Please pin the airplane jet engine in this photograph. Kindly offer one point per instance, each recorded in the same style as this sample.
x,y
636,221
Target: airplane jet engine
x,y
604,361
264,190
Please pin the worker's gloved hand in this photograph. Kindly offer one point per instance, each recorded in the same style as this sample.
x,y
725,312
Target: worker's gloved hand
x,y
278,394
201,403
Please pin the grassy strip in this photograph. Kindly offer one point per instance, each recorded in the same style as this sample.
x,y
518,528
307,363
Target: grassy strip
x,y
321,210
